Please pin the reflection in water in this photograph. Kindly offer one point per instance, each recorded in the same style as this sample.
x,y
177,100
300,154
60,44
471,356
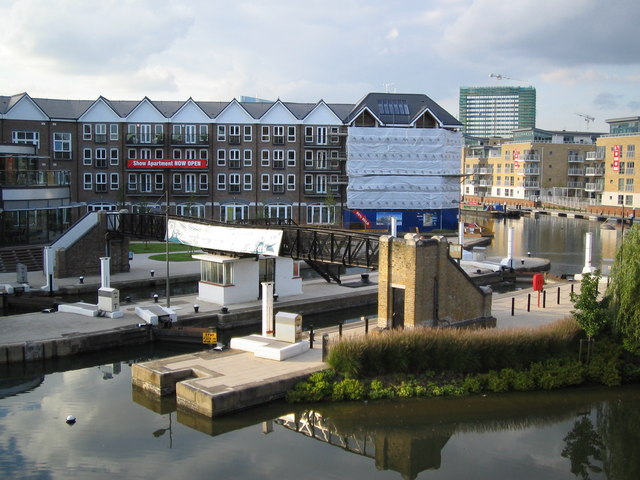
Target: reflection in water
x,y
583,444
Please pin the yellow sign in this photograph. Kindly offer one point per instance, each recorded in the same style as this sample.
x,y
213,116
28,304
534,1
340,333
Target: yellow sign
x,y
455,250
210,337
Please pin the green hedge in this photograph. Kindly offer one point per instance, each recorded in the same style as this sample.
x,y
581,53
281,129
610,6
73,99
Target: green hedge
x,y
461,351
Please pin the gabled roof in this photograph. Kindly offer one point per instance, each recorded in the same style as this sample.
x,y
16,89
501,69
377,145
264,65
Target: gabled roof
x,y
213,109
189,104
167,108
229,107
100,101
402,109
63,109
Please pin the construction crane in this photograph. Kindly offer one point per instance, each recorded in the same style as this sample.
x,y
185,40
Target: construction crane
x,y
499,76
587,118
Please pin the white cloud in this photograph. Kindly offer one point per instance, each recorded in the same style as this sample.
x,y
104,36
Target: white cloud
x,y
393,34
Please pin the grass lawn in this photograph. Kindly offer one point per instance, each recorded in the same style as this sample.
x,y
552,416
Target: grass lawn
x,y
173,257
159,247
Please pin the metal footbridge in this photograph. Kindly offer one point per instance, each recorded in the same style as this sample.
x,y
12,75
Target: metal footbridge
x,y
320,247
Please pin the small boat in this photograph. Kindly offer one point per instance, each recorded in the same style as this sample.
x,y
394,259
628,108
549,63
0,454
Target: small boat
x,y
475,230
609,224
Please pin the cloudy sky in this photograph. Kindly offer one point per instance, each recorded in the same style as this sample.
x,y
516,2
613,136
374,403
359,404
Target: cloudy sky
x,y
582,56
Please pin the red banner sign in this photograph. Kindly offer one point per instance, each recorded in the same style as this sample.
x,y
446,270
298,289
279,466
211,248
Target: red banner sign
x,y
362,218
516,158
617,153
166,163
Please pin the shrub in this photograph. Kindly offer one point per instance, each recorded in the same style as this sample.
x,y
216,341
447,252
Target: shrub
x,y
377,390
348,389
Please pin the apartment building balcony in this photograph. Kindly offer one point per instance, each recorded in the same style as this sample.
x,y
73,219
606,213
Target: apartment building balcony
x,y
594,187
576,172
485,183
529,184
191,140
330,141
532,171
594,172
575,185
485,171
530,157
338,180
100,138
134,139
575,158
277,140
597,155
35,178
628,188
234,139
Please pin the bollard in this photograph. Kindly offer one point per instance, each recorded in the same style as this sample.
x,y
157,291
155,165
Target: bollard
x,y
366,324
558,295
312,335
196,307
152,273
544,299
513,305
325,346
340,329
528,302
81,279
572,288
155,298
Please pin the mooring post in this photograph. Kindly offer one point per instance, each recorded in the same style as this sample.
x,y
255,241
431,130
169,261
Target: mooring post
x,y
558,295
340,328
325,346
528,302
544,299
311,336
572,288
513,305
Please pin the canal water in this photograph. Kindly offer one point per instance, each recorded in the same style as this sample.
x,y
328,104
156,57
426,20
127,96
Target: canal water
x,y
559,239
122,433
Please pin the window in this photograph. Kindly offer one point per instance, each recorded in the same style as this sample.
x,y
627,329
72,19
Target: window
x,y
204,181
248,133
265,133
234,134
176,181
264,158
277,210
28,138
218,273
204,154
101,158
234,158
621,184
145,133
159,181
159,153
291,182
86,156
232,211
620,199
145,153
190,210
320,214
113,132
61,146
264,181
278,135
308,158
222,158
322,160
190,185
87,181
158,136
114,181
132,182
628,200
176,134
321,184
86,131
291,158
631,151
101,133
131,153
629,185
222,181
247,181
278,183
101,182
190,134
308,183
308,134
145,183
322,136
247,162
114,156
278,159
222,133
234,183
177,153
190,154
291,133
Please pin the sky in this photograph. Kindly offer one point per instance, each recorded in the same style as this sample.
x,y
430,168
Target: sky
x,y
582,56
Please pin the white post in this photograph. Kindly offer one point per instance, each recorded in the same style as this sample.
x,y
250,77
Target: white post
x,y
394,227
267,309
588,268
510,247
105,272
461,233
49,269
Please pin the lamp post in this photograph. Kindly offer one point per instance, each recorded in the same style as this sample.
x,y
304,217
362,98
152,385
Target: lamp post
x,y
166,239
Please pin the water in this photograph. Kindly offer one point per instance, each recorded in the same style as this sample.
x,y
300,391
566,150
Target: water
x,y
122,433
559,239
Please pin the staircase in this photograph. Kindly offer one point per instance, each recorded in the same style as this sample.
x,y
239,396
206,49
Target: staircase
x,y
30,256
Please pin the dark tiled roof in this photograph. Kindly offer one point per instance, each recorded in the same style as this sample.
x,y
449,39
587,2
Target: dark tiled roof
x,y
63,109
213,109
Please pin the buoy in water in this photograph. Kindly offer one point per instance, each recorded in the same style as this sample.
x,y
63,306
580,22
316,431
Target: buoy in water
x,y
71,419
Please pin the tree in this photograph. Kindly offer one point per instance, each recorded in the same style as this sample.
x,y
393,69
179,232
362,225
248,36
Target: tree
x,y
624,290
591,313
